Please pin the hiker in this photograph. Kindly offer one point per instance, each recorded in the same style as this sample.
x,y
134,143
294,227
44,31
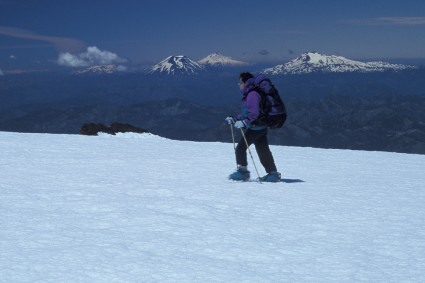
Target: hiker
x,y
255,133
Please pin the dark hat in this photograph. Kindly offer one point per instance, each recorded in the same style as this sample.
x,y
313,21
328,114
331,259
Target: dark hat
x,y
245,76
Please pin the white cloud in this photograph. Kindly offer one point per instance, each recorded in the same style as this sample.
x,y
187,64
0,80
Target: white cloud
x,y
12,57
61,43
93,56
404,21
399,21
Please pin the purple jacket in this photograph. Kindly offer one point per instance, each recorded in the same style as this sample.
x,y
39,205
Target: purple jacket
x,y
250,106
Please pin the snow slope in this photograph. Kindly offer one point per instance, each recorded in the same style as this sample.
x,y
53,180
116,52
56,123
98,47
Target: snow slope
x,y
140,208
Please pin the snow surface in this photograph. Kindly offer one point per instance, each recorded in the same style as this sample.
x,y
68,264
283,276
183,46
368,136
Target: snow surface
x,y
140,208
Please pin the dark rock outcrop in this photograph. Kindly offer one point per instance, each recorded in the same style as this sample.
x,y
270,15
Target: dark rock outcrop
x,y
92,129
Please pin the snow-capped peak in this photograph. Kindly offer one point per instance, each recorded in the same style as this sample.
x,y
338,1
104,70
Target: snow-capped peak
x,y
177,65
102,69
310,62
219,60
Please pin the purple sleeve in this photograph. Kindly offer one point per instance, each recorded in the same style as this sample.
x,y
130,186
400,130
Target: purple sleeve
x,y
252,105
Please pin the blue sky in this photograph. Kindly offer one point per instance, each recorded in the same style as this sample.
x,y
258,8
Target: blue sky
x,y
33,32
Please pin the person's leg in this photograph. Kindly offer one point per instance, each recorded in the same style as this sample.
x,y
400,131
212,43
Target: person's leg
x,y
242,173
264,153
251,137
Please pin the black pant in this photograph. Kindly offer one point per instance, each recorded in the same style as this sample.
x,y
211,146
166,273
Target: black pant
x,y
259,139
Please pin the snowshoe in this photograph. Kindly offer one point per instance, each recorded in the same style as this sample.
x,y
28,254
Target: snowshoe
x,y
272,177
242,174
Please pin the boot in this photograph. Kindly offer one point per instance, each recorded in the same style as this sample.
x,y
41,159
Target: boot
x,y
242,174
273,177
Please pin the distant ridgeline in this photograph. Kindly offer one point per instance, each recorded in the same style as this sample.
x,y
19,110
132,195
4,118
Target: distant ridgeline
x,y
332,102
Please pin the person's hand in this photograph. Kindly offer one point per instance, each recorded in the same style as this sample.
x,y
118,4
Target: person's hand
x,y
230,120
240,124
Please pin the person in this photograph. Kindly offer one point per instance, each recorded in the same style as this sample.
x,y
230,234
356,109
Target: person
x,y
255,133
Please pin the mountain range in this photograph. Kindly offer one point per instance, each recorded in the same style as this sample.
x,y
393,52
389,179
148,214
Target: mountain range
x,y
308,62
313,62
357,108
183,65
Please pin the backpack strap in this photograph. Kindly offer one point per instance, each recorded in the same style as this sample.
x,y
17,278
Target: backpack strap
x,y
251,88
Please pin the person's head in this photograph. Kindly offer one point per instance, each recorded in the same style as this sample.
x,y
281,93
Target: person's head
x,y
243,77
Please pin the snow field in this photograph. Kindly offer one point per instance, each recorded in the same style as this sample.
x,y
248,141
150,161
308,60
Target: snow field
x,y
140,208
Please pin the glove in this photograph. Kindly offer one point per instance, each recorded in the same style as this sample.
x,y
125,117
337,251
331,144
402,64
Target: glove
x,y
240,124
230,120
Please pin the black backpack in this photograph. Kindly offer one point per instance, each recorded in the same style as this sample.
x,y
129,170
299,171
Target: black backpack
x,y
273,111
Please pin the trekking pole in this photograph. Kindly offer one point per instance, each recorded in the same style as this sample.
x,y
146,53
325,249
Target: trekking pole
x,y
234,145
252,158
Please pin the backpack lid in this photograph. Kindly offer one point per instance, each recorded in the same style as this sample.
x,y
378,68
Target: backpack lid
x,y
263,83
259,79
